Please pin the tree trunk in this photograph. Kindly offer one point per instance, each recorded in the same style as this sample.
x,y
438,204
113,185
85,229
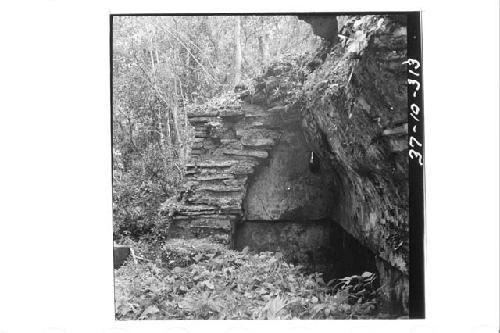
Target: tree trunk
x,y
185,124
237,55
213,39
165,148
157,56
152,59
263,42
263,49
175,114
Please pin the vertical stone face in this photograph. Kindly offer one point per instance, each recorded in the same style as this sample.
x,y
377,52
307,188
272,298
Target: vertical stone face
x,y
231,143
250,163
284,188
324,26
318,245
120,255
395,288
356,114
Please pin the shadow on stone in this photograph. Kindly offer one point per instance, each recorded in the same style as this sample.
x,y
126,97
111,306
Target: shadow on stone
x,y
318,245
120,255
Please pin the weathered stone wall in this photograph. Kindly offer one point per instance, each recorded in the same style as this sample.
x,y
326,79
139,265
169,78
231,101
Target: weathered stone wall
x,y
230,144
355,113
324,26
318,245
284,188
249,162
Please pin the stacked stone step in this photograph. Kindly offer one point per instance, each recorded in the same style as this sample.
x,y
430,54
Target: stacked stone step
x,y
229,145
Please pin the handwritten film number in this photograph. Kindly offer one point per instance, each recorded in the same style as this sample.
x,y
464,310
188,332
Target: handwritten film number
x,y
415,110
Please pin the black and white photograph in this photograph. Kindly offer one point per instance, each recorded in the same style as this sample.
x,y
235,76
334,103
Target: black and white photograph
x,y
250,166
262,166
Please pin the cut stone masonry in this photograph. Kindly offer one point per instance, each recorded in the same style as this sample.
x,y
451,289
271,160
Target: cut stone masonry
x,y
229,145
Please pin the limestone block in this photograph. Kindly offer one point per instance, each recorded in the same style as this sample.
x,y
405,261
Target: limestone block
x,y
120,255
197,145
191,183
195,213
245,152
402,129
196,152
196,209
235,182
196,120
216,176
202,113
228,141
211,163
231,112
213,223
278,108
398,145
219,188
203,198
257,132
255,123
252,141
243,168
236,144
201,134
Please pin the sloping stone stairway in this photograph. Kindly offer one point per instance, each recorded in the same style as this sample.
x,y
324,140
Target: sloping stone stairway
x,y
230,144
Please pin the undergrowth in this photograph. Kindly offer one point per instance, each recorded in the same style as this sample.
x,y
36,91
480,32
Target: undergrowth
x,y
196,279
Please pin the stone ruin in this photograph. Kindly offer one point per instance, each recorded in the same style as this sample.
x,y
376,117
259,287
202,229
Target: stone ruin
x,y
248,162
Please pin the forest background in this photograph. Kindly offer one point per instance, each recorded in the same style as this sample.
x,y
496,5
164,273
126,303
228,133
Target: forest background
x,y
162,64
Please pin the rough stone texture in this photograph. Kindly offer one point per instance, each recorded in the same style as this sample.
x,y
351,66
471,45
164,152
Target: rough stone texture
x,y
398,291
318,245
285,188
120,255
230,144
255,166
355,114
324,26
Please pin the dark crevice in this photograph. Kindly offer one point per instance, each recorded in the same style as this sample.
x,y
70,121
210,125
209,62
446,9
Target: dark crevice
x,y
317,245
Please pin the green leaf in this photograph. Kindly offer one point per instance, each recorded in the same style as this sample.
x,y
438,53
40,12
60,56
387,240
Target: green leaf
x,y
318,307
152,309
366,275
208,284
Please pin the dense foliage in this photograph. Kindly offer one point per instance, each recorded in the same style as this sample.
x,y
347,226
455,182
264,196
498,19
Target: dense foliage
x,y
165,69
161,67
196,279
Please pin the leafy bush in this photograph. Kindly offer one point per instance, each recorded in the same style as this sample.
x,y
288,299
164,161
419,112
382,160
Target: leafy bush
x,y
282,80
138,192
196,279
